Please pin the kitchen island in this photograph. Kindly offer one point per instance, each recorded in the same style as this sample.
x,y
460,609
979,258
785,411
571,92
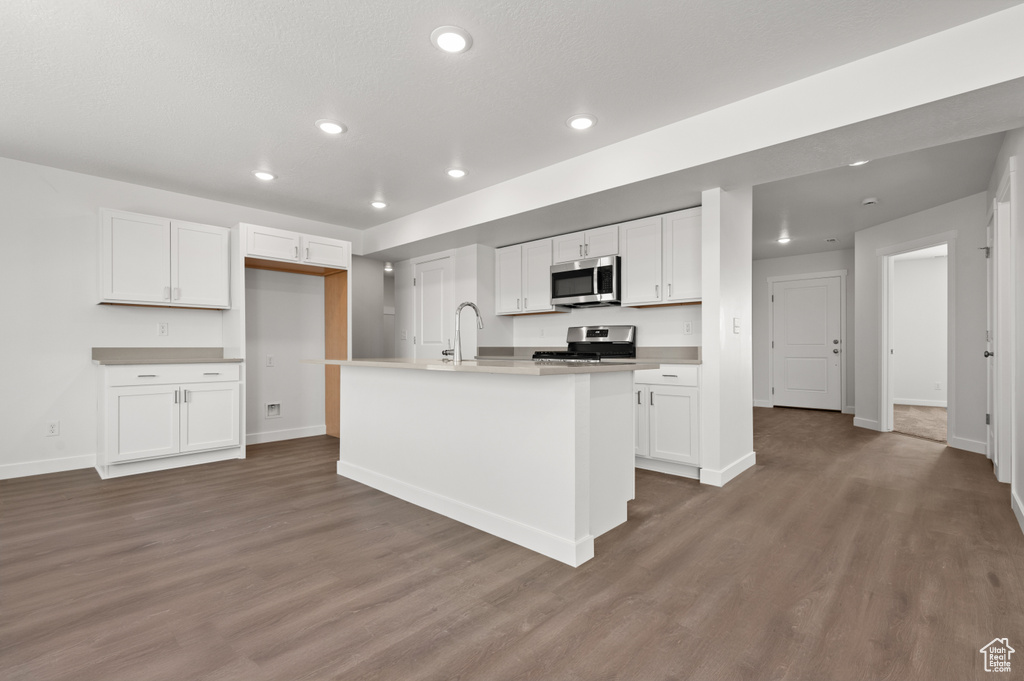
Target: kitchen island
x,y
540,455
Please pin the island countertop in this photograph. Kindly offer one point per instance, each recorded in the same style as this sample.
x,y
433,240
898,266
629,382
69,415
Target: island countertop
x,y
523,367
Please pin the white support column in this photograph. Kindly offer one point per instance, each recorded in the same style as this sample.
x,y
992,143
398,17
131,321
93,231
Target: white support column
x,y
727,430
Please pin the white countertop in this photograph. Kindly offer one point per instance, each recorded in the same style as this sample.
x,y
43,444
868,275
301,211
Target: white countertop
x,y
491,366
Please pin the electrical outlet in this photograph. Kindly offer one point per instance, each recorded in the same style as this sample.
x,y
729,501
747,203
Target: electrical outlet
x,y
162,329
542,333
270,360
405,335
52,429
273,410
938,386
687,328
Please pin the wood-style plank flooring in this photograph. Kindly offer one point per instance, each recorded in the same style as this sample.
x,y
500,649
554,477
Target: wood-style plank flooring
x,y
844,554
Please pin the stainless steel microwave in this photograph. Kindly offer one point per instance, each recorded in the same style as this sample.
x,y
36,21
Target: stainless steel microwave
x,y
586,283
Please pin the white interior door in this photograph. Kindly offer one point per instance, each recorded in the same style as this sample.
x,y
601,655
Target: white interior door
x,y
806,335
435,313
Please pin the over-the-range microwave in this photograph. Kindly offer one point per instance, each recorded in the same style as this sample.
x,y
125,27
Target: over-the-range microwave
x,y
586,283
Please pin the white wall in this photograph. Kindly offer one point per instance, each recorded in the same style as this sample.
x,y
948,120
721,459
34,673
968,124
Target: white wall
x,y
49,219
1013,146
366,279
967,385
726,394
284,318
919,331
655,326
830,261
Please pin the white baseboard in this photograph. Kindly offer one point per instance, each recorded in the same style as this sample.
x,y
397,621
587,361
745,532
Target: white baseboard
x,y
1018,509
286,434
763,403
850,410
568,551
919,403
681,469
719,478
26,468
870,424
163,463
966,445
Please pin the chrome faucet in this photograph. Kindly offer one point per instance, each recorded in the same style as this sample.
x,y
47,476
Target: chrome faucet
x,y
458,332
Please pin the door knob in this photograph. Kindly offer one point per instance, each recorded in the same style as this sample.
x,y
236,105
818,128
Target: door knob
x,y
835,351
989,354
835,342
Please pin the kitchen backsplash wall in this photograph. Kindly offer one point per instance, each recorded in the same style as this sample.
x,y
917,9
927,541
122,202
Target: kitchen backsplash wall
x,y
655,326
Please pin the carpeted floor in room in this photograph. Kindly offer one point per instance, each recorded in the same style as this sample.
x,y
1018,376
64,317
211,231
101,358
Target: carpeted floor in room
x,y
926,422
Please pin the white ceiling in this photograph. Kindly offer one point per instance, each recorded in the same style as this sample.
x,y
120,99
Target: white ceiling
x,y
940,251
191,96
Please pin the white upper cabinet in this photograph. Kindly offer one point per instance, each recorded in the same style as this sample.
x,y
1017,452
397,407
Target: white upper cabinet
x,y
682,256
641,242
508,280
268,243
319,250
146,260
593,243
661,259
523,278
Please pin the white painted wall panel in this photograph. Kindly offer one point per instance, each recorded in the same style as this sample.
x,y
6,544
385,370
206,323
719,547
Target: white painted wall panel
x,y
919,332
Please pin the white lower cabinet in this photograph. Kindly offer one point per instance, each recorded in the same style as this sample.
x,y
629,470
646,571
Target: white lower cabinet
x,y
155,416
667,418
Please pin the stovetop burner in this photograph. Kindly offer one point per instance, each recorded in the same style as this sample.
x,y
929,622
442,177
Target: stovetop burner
x,y
588,344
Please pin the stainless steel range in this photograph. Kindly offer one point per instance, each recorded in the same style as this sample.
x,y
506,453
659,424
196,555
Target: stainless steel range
x,y
591,344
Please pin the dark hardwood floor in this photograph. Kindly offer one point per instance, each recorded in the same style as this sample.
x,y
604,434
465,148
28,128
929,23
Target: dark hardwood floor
x,y
844,554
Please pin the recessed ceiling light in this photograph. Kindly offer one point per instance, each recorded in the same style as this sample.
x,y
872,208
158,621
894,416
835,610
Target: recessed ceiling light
x,y
330,127
784,239
388,267
581,121
456,172
264,175
451,39
857,163
379,204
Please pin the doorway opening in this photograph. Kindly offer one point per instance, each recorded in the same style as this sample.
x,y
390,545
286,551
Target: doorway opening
x,y
917,378
918,350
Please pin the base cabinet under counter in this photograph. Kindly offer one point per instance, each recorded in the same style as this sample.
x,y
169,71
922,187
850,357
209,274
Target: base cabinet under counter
x,y
153,417
667,419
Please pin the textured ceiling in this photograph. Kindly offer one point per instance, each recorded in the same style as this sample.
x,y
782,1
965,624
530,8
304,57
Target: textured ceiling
x,y
192,95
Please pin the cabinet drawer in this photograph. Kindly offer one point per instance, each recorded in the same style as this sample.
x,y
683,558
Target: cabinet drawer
x,y
670,374
155,374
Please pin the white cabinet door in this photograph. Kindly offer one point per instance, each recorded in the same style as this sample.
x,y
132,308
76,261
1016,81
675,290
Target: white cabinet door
x,y
601,242
508,280
136,258
674,424
267,242
640,426
199,265
682,256
142,422
537,276
641,245
567,247
209,416
318,250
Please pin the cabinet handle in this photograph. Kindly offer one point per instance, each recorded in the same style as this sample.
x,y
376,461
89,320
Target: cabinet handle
x,y
581,250
638,397
186,396
526,303
517,303
296,252
670,290
177,293
167,292
147,376
671,375
175,396
307,252
652,396
655,290
211,373
586,249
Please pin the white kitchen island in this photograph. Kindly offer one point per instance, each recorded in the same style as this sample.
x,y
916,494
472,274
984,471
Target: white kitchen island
x,y
540,455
